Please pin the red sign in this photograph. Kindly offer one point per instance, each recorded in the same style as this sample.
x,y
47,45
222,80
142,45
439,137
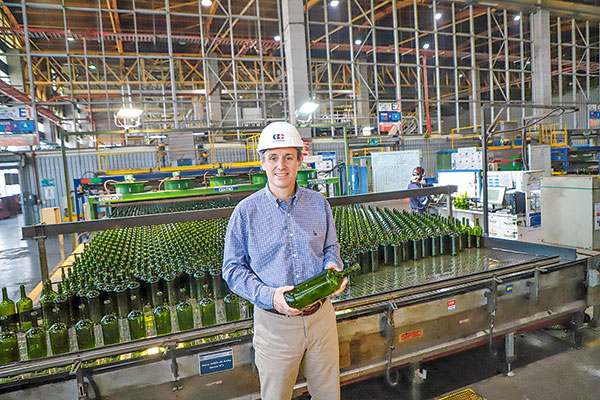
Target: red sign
x,y
451,304
417,333
306,149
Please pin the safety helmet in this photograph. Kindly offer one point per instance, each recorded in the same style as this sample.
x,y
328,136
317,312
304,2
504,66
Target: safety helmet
x,y
279,134
418,171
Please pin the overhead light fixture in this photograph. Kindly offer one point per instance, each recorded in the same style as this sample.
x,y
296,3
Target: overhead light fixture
x,y
517,17
129,113
157,137
92,67
426,46
182,43
304,113
334,3
358,42
128,118
70,38
438,16
460,75
277,38
206,3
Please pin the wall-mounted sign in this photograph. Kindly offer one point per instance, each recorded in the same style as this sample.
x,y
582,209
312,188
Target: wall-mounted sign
x,y
16,113
594,114
389,115
49,188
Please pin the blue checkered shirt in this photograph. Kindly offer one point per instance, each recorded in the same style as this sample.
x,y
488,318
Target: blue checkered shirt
x,y
272,243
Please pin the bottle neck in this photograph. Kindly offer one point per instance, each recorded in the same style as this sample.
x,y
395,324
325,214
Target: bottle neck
x,y
23,294
4,294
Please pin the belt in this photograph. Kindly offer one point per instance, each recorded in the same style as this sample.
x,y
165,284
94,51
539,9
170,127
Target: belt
x,y
306,312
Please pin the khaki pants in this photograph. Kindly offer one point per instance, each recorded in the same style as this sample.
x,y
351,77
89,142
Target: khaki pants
x,y
283,345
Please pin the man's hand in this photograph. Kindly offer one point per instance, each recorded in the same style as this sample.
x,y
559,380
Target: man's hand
x,y
280,304
344,282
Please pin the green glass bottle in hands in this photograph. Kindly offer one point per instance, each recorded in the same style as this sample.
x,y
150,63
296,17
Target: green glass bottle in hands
x,y
316,288
24,307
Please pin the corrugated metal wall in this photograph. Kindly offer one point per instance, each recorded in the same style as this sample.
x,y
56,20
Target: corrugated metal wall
x,y
81,164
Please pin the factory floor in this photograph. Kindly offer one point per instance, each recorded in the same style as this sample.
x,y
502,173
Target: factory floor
x,y
548,365
19,259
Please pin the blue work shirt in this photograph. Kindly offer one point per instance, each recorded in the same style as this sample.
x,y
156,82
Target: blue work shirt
x,y
272,243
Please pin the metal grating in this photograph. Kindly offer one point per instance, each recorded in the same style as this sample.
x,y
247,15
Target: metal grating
x,y
466,394
432,269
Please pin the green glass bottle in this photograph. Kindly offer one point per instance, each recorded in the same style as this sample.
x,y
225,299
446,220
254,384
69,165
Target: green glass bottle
x,y
316,288
84,330
232,307
135,320
110,324
185,316
9,343
59,338
61,302
93,309
208,311
36,339
24,307
478,233
162,317
7,309
47,304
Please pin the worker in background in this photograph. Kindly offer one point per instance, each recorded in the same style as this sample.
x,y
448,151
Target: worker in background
x,y
419,204
277,238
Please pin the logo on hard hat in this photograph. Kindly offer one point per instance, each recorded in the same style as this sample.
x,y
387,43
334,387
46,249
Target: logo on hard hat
x,y
279,137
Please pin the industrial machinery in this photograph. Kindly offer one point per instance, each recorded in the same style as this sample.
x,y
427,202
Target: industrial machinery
x,y
391,317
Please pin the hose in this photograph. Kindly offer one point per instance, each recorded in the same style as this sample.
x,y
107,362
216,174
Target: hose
x,y
107,182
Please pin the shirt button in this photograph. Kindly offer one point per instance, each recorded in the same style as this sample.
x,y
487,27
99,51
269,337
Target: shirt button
x,y
297,275
291,234
294,255
288,214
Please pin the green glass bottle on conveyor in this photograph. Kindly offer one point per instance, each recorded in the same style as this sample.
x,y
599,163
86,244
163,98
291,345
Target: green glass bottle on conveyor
x,y
185,316
59,337
24,307
162,316
7,309
61,302
478,233
36,339
9,343
136,320
232,307
47,304
110,324
84,330
316,288
208,312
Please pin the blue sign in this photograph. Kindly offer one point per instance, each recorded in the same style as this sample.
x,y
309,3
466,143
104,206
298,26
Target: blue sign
x,y
217,361
226,189
509,288
23,126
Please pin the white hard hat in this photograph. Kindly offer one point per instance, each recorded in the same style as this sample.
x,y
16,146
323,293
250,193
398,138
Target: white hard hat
x,y
279,134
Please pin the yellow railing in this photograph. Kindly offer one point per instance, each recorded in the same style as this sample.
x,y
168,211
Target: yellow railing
x,y
455,131
555,135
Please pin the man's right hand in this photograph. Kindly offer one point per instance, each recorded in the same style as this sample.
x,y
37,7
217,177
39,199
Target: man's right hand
x,y
280,304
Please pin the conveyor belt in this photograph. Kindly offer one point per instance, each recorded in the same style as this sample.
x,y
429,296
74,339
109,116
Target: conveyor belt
x,y
434,269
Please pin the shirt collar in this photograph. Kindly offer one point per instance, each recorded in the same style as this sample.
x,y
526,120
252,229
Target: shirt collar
x,y
279,202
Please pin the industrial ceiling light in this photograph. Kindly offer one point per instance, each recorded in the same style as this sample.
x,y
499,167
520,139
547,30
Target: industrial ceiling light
x,y
517,17
92,67
438,16
426,46
70,38
460,75
304,113
128,118
334,3
277,38
358,42
206,3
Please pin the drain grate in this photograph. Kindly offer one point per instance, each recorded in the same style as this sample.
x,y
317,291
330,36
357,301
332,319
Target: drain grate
x,y
466,394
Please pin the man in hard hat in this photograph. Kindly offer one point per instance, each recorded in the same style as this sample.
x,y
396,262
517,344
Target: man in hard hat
x,y
277,238
418,204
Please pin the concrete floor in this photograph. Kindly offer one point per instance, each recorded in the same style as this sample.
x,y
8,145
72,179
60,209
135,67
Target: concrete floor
x,y
19,260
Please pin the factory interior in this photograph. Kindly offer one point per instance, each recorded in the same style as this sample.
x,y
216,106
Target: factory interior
x,y
456,145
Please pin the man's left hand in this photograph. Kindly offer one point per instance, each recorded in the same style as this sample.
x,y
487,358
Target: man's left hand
x,y
344,282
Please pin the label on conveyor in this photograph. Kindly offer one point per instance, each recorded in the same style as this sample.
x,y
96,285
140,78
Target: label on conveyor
x,y
216,361
225,189
109,197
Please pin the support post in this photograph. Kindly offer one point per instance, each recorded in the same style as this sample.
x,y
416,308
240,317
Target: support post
x,y
509,345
